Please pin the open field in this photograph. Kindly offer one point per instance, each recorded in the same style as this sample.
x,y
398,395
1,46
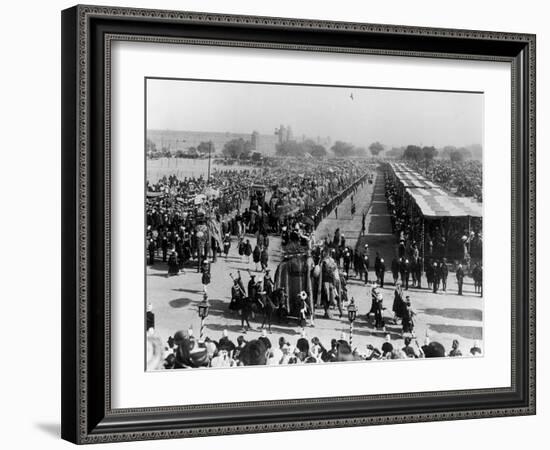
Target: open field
x,y
181,167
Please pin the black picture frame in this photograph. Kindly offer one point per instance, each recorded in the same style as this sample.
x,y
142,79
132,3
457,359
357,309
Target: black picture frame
x,y
87,416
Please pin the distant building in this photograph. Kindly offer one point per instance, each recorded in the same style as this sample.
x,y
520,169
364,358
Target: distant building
x,y
174,140
284,134
255,141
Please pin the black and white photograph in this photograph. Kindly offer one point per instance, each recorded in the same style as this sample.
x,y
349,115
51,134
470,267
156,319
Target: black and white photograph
x,y
296,224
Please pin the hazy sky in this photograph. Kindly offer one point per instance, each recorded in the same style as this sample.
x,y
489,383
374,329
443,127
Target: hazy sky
x,y
393,117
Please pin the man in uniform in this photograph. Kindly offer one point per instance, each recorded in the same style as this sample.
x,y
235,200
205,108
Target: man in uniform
x,y
395,270
151,248
205,278
460,278
377,267
252,287
418,268
436,276
347,261
264,258
366,263
237,296
226,244
444,270
404,270
164,245
381,272
269,285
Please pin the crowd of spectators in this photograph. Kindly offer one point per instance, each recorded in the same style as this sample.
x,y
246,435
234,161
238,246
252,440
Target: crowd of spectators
x,y
236,202
185,350
462,178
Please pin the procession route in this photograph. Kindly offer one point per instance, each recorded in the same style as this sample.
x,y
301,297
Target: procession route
x,y
444,316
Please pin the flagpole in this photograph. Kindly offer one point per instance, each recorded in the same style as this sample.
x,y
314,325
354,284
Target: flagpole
x,y
209,157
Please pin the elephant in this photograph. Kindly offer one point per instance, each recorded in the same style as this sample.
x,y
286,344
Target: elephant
x,y
295,274
329,292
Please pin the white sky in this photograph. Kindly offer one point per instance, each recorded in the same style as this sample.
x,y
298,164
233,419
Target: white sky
x,y
393,117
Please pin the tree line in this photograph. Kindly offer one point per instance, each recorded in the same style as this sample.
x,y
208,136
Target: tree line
x,y
427,153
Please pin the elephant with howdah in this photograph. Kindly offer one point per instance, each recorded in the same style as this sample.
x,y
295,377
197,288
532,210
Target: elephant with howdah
x,y
295,274
298,272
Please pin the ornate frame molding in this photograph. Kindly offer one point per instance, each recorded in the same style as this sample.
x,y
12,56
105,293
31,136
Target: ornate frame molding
x,y
77,21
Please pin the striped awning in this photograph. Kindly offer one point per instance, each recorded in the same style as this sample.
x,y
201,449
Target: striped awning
x,y
414,180
400,167
427,192
434,205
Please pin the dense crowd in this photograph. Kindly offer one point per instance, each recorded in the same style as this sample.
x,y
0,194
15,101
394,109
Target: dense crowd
x,y
185,350
462,178
193,217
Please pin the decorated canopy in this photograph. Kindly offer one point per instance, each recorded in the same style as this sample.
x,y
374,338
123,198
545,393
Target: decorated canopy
x,y
414,180
399,167
434,203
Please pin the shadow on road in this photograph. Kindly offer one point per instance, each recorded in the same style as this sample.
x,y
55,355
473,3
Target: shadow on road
x,y
454,313
189,291
180,302
467,332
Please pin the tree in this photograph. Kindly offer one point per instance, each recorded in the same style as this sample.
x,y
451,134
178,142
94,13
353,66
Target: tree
x,y
342,149
206,147
256,156
290,148
413,152
447,150
180,154
476,151
237,148
395,152
460,155
429,153
376,148
150,146
318,151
